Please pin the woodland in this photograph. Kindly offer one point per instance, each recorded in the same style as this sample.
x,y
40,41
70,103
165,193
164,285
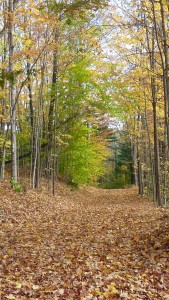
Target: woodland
x,y
84,149
85,94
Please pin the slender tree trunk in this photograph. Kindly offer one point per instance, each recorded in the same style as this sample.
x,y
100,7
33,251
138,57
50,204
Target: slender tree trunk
x,y
33,138
52,114
11,91
140,176
166,67
134,154
2,163
53,97
37,142
139,166
54,155
156,145
151,176
135,163
3,103
156,151
30,95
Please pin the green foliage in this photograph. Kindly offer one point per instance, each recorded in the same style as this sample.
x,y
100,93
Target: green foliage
x,y
124,156
16,186
82,162
8,143
119,165
9,76
115,181
82,155
76,6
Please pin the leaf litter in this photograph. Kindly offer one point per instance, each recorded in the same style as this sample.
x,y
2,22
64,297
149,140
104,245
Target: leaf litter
x,y
81,245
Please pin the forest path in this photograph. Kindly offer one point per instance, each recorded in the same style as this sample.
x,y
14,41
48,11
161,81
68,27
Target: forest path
x,y
85,244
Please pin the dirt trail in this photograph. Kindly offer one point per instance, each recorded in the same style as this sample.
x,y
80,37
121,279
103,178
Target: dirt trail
x,y
85,244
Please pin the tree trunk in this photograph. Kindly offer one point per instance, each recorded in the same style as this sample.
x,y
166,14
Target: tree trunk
x,y
11,91
52,114
156,145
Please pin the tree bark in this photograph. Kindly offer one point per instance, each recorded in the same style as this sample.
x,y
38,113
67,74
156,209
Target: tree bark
x,y
11,91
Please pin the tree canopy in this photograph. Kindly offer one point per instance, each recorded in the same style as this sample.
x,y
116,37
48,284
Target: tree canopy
x,y
74,73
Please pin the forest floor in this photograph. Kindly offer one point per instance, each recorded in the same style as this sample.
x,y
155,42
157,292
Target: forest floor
x,y
85,244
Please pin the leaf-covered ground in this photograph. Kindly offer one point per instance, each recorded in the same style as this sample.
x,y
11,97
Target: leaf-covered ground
x,y
85,244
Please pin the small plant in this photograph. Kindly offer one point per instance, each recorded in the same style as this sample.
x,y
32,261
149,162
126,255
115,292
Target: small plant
x,y
73,185
16,186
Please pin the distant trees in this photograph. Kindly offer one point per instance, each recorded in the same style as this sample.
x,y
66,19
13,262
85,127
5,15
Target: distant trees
x,y
120,166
